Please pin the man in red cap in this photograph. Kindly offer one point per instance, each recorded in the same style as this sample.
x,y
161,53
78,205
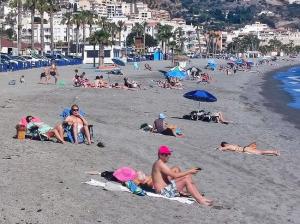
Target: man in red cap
x,y
169,183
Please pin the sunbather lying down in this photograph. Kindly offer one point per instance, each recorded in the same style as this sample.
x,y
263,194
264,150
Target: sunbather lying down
x,y
45,129
250,149
141,179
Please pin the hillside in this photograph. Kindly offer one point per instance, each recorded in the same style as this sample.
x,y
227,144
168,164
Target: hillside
x,y
216,14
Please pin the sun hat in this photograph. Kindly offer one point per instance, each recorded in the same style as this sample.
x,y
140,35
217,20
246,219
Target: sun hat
x,y
124,174
162,116
164,150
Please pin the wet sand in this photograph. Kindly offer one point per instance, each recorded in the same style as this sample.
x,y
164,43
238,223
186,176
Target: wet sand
x,y
41,182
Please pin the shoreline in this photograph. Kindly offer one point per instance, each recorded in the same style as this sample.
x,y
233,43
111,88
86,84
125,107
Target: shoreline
x,y
277,99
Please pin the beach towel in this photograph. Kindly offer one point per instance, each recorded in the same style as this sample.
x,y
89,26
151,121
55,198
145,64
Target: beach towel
x,y
111,186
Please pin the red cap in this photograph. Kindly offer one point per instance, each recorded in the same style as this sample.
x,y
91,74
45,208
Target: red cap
x,y
164,150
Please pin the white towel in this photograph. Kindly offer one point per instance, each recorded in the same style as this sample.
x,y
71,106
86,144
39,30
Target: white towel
x,y
111,186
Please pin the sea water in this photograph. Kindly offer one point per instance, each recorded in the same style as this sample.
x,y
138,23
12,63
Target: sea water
x,y
290,80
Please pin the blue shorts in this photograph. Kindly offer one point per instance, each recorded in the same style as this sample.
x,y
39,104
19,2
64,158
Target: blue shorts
x,y
170,191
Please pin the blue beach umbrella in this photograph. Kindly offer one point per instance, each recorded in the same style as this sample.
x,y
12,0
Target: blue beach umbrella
x,y
200,96
118,61
176,73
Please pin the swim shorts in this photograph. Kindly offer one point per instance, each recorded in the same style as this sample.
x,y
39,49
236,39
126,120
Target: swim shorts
x,y
170,191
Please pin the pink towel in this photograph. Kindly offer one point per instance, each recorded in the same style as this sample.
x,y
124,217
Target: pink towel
x,y
24,122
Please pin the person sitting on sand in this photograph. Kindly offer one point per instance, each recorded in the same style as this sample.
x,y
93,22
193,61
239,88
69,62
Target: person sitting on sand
x,y
219,118
161,173
175,83
45,129
102,82
78,123
250,149
162,127
76,81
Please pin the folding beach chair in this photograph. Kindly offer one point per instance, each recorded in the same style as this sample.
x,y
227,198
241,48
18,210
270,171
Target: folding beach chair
x,y
34,133
68,128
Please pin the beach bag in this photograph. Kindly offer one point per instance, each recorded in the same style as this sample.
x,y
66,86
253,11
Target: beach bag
x,y
135,189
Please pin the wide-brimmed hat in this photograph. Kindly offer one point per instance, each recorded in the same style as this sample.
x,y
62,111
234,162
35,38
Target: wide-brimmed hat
x,y
124,174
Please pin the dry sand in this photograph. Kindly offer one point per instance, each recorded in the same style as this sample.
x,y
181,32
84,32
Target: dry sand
x,y
41,182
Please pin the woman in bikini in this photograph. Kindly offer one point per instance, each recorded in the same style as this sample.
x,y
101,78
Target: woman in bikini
x,y
250,149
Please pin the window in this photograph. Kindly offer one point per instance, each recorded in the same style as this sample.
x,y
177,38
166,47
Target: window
x,y
107,53
116,53
92,54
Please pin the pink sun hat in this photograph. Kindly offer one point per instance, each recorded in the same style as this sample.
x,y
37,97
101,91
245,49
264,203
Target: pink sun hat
x,y
164,150
124,174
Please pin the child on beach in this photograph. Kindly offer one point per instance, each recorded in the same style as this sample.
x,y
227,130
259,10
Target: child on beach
x,y
22,79
250,149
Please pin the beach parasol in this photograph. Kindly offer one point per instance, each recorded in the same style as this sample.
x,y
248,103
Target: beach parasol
x,y
200,96
176,73
118,61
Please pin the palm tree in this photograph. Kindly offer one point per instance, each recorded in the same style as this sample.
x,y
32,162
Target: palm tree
x,y
179,35
93,41
76,20
42,7
32,6
101,37
145,25
51,9
91,20
112,28
198,37
103,23
275,44
120,28
19,5
164,33
67,19
83,20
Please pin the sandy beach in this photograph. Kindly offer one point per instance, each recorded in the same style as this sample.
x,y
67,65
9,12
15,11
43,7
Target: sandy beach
x,y
41,182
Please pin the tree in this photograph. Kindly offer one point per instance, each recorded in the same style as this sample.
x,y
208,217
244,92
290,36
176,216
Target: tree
x,y
101,37
198,37
91,20
18,4
120,28
42,7
275,44
179,36
51,9
145,25
32,6
164,33
76,20
67,19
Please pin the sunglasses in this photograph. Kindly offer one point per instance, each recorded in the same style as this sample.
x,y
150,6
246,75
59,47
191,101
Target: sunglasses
x,y
165,154
75,109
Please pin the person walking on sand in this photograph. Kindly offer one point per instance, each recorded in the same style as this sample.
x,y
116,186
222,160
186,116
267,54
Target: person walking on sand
x,y
250,149
78,123
53,72
169,183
